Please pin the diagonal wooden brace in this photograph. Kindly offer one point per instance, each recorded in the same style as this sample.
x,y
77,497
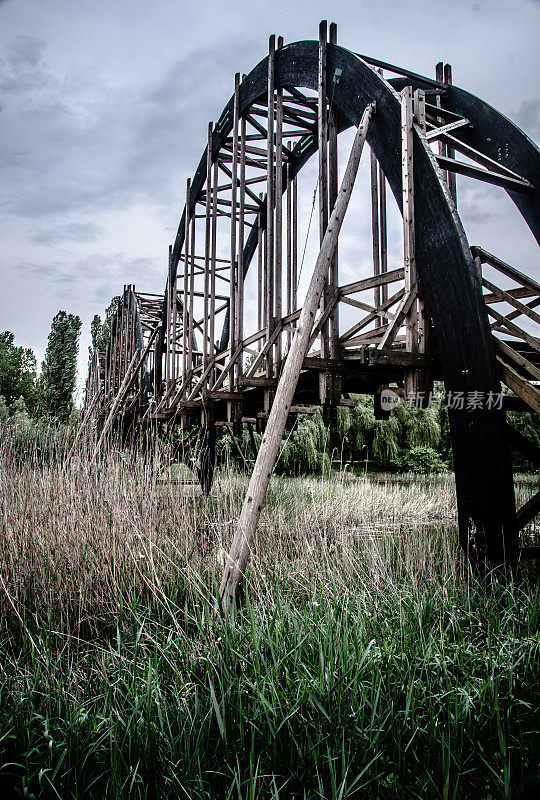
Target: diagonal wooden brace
x,y
266,458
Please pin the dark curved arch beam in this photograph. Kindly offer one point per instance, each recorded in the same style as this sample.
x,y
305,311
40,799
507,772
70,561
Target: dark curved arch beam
x,y
484,483
496,136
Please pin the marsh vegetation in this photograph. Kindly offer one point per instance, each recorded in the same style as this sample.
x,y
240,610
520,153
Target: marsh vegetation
x,y
364,661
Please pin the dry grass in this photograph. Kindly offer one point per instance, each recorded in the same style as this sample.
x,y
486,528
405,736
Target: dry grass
x,y
78,539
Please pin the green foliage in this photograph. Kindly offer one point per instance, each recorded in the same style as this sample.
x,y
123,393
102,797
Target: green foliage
x,y
355,436
411,692
420,460
101,331
17,372
304,449
385,446
59,369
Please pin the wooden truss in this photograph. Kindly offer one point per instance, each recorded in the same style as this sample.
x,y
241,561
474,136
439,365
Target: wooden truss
x,y
212,351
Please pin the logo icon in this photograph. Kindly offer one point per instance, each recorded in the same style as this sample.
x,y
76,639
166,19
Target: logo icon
x,y
389,399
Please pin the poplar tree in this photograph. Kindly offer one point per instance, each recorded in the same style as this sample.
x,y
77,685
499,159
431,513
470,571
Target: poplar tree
x,y
59,368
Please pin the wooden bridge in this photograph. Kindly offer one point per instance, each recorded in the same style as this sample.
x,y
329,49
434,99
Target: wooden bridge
x,y
213,350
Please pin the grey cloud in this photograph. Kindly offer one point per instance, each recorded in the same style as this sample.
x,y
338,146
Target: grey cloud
x,y
107,147
97,277
71,231
23,68
528,117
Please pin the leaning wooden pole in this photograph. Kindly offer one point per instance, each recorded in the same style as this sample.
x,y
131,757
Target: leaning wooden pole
x,y
266,458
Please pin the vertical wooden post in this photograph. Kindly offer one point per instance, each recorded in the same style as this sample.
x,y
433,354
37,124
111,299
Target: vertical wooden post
x,y
322,131
191,331
375,230
241,233
439,76
278,283
207,345
186,286
408,208
294,243
411,321
333,322
269,254
383,237
450,152
213,250
289,245
260,278
423,379
168,322
234,256
267,454
174,313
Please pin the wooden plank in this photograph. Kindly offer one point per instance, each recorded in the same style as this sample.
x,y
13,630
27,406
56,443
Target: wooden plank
x,y
495,178
288,305
369,283
266,457
528,393
423,323
260,281
388,357
506,269
519,292
515,329
371,316
383,236
191,331
402,310
509,353
268,383
511,300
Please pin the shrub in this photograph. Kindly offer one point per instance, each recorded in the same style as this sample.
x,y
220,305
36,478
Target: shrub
x,y
420,460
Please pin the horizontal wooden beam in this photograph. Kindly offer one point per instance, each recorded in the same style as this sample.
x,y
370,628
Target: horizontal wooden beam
x,y
495,178
506,269
528,511
509,353
370,283
528,393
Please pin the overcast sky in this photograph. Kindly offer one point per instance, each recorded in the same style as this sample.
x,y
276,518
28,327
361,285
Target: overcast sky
x,y
104,107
